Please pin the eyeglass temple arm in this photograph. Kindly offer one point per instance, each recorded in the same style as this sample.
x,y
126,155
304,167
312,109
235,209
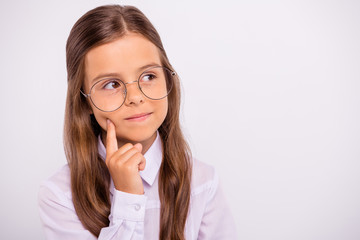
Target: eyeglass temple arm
x,y
85,95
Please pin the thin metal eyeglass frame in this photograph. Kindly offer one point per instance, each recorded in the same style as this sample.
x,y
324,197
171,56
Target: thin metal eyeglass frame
x,y
173,73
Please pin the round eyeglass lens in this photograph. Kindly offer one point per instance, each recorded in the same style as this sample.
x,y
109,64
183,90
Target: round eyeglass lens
x,y
156,82
108,94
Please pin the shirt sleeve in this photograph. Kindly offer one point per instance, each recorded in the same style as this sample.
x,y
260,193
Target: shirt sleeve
x,y
60,220
217,221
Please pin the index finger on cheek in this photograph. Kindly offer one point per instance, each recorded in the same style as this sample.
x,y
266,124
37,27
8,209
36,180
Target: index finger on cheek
x,y
111,141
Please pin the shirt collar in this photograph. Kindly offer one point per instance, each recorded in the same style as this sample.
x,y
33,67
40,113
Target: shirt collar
x,y
153,158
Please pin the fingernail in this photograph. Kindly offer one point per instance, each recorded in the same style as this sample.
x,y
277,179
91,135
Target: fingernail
x,y
107,121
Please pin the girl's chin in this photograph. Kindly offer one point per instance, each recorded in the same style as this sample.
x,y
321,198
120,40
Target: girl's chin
x,y
137,137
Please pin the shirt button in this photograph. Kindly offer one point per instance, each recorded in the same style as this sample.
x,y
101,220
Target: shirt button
x,y
137,207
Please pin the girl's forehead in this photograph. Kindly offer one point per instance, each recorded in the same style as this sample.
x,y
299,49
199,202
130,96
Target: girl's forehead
x,y
124,55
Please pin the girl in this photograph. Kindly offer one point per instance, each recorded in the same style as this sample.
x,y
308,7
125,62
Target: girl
x,y
130,174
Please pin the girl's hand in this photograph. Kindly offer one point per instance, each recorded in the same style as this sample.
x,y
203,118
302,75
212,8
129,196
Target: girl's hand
x,y
124,163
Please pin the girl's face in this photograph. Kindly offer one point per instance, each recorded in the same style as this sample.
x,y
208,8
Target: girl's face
x,y
126,58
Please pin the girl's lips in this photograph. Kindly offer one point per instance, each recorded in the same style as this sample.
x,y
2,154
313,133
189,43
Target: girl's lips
x,y
138,117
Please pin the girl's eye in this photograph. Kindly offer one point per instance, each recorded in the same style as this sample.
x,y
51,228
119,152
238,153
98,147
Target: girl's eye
x,y
111,85
148,77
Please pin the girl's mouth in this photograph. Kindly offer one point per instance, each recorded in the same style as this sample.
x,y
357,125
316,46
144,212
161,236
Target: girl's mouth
x,y
139,117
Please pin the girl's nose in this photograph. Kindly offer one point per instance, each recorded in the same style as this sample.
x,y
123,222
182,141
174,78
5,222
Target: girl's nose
x,y
133,95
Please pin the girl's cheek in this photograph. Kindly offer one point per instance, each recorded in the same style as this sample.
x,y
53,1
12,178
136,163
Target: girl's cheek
x,y
102,124
101,119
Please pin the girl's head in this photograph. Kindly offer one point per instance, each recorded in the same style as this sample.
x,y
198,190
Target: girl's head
x,y
120,42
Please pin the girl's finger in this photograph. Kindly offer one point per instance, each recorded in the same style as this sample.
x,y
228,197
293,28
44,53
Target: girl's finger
x,y
111,141
138,146
137,160
125,153
141,165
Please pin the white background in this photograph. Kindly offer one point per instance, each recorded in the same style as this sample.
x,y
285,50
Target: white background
x,y
270,98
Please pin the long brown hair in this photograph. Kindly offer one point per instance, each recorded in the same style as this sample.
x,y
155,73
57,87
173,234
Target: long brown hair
x,y
90,178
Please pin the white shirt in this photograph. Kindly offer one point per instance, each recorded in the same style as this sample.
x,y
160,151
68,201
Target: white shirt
x,y
138,216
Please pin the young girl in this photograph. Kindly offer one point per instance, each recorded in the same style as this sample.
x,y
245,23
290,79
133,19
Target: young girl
x,y
130,174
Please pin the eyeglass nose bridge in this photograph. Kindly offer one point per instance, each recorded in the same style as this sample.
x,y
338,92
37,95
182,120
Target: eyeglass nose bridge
x,y
131,82
127,83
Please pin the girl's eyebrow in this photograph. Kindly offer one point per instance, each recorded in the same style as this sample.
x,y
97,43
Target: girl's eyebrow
x,y
140,70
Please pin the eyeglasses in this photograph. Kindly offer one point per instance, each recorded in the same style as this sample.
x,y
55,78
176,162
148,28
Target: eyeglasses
x,y
109,94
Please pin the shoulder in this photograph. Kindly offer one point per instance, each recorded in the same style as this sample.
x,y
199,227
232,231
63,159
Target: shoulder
x,y
204,178
57,188
202,172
